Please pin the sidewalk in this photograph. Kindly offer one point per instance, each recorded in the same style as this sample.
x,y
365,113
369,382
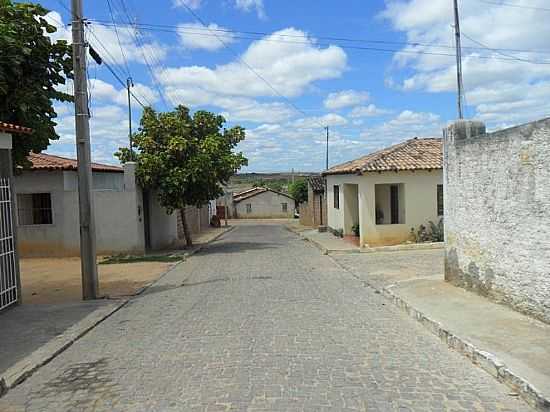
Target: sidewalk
x,y
330,244
512,347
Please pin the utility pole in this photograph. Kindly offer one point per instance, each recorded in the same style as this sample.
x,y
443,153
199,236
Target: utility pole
x,y
82,115
130,83
458,61
327,148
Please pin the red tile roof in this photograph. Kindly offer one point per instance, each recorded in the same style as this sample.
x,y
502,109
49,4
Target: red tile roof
x,y
412,154
246,194
43,161
13,128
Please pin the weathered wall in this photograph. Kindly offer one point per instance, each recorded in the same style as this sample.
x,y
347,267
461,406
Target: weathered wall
x,y
264,206
497,219
306,214
419,200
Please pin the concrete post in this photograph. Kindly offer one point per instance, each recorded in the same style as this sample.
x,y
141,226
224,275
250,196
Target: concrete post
x,y
129,176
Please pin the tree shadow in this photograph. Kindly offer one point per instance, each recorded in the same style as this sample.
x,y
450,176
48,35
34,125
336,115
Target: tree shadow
x,y
235,247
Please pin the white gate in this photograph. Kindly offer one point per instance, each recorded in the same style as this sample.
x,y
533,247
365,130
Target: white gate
x,y
8,267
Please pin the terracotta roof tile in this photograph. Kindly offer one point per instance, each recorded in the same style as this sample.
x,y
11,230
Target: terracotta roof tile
x,y
43,161
317,183
412,154
13,128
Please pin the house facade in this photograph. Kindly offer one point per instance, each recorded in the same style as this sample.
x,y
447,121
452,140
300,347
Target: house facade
x,y
128,219
262,203
387,193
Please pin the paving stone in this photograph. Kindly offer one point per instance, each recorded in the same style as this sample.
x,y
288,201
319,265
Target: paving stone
x,y
259,321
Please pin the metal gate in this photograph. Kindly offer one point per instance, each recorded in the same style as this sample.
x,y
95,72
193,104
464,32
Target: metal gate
x,y
8,264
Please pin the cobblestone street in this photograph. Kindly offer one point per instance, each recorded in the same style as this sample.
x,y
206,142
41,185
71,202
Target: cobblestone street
x,y
260,321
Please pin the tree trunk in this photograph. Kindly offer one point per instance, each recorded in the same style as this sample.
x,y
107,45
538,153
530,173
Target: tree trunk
x,y
186,233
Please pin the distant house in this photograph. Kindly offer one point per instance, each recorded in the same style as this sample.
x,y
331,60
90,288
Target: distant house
x,y
262,202
387,192
314,211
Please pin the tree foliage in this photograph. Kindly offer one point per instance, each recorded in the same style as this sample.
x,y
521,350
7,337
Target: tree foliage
x,y
298,190
185,158
31,67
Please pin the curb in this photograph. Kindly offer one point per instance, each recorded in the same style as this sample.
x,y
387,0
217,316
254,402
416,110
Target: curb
x,y
23,369
485,360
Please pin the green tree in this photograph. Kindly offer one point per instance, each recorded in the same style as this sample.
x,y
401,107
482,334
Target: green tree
x,y
31,66
185,158
298,190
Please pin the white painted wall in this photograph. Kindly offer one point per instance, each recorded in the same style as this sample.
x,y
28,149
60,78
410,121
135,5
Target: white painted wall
x,y
118,207
265,205
419,198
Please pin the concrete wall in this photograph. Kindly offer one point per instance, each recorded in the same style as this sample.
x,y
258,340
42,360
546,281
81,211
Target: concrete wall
x,y
497,223
419,197
118,206
264,206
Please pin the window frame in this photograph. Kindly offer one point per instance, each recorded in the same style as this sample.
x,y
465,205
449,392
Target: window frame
x,y
248,208
284,207
336,195
31,194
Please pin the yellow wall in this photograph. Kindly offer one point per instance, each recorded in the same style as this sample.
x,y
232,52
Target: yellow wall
x,y
419,196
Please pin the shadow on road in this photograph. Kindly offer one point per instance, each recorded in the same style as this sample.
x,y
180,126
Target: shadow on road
x,y
235,247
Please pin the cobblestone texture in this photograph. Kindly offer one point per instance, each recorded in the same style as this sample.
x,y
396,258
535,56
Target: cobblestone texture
x,y
259,321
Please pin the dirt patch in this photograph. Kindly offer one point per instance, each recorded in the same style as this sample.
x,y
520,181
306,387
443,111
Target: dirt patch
x,y
57,280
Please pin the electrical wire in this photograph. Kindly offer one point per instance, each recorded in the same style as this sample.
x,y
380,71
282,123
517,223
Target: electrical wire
x,y
201,21
118,39
519,6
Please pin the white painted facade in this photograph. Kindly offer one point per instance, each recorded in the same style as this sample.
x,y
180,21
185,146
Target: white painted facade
x,y
119,214
265,205
361,195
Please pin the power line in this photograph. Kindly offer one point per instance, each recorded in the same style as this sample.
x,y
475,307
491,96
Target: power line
x,y
201,21
208,31
519,6
135,33
118,39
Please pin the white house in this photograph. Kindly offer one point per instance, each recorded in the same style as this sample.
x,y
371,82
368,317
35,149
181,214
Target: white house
x,y
127,219
388,192
262,202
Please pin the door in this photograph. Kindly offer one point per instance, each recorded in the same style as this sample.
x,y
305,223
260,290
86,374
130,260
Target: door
x,y
8,262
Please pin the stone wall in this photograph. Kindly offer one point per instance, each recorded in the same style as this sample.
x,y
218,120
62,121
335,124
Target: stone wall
x,y
497,213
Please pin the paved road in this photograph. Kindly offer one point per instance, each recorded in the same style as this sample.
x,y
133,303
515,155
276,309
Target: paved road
x,y
260,321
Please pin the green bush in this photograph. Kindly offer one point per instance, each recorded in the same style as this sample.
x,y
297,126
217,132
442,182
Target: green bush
x,y
432,233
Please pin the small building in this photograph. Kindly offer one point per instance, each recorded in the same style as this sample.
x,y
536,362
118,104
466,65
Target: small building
x,y
128,219
262,203
387,193
314,212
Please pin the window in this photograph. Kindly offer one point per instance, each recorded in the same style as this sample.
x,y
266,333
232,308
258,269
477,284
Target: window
x,y
34,209
390,204
249,208
439,200
336,197
284,207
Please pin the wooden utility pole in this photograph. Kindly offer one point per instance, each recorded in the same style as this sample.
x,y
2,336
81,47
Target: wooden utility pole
x,y
83,151
458,61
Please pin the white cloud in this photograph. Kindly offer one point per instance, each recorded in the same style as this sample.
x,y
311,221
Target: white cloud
x,y
367,111
195,36
192,4
289,67
345,98
489,77
331,119
106,92
248,5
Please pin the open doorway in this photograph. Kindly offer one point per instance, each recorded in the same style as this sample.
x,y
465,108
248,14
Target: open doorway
x,y
351,209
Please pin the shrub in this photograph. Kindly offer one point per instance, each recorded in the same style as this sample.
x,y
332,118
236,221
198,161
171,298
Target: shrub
x,y
432,233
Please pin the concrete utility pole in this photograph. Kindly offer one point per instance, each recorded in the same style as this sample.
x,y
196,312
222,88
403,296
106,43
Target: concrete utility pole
x,y
327,148
130,83
458,61
87,221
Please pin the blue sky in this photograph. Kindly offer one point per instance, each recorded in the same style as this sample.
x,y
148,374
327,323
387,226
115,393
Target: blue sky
x,y
261,60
